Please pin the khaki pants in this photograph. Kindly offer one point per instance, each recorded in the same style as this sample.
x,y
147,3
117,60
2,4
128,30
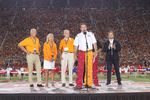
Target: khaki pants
x,y
67,60
33,59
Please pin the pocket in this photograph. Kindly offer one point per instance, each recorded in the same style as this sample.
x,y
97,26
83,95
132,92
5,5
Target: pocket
x,y
63,56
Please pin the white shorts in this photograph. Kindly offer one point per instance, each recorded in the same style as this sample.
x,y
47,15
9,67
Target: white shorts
x,y
49,64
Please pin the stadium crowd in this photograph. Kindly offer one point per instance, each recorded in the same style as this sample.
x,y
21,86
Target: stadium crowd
x,y
132,28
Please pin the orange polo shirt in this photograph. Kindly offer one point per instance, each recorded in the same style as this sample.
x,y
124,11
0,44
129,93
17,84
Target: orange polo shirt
x,y
67,44
30,44
49,51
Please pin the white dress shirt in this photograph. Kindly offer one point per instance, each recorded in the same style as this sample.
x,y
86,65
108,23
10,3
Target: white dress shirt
x,y
111,42
80,41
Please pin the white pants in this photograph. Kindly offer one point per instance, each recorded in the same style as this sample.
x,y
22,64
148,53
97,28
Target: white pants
x,y
67,60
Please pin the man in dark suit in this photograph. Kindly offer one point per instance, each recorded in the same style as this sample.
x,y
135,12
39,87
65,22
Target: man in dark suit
x,y
112,48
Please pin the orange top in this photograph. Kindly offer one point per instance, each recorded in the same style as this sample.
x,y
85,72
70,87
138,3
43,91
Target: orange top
x,y
49,51
67,44
30,44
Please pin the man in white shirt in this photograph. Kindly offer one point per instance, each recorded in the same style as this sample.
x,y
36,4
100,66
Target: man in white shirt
x,y
84,43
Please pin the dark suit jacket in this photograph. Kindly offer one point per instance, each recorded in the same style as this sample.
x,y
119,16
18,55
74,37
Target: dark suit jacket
x,y
114,53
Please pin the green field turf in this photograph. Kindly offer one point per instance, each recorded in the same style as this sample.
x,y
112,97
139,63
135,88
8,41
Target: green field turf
x,y
138,78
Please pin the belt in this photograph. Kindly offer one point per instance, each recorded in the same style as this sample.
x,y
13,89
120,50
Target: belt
x,y
35,53
85,51
68,52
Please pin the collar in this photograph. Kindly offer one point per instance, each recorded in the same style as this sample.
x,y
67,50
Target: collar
x,y
83,33
111,39
66,38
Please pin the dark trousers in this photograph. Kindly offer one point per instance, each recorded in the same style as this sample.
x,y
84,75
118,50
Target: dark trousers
x,y
109,68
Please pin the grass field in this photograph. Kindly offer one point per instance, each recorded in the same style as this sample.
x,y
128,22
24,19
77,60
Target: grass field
x,y
138,78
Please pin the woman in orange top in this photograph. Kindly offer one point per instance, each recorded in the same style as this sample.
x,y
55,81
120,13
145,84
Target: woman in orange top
x,y
50,55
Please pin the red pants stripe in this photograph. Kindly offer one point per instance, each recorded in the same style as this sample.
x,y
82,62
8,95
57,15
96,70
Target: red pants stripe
x,y
95,71
80,69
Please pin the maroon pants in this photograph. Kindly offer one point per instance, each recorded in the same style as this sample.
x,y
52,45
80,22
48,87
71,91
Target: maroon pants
x,y
95,71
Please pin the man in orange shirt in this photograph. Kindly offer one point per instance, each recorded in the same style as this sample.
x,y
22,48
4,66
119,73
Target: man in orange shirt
x,y
31,46
50,55
66,49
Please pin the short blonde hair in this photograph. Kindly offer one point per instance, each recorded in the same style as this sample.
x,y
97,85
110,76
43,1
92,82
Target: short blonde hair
x,y
32,29
49,35
66,30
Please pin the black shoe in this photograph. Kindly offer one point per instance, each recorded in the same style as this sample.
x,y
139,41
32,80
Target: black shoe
x,y
119,83
77,88
97,85
71,84
63,85
87,86
107,83
40,85
31,85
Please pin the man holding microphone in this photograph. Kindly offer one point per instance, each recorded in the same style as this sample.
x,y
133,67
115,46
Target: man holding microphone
x,y
84,42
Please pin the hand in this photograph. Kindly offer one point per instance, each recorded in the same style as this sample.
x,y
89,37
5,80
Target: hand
x,y
75,57
94,56
52,60
61,58
114,46
28,53
93,59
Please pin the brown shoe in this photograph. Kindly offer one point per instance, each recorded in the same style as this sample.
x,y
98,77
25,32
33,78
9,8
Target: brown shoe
x,y
87,86
53,84
40,85
31,85
77,88
71,84
97,85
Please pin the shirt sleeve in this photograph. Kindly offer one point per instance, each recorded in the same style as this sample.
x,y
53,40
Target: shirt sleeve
x,y
23,43
55,52
60,46
45,50
76,41
93,38
39,43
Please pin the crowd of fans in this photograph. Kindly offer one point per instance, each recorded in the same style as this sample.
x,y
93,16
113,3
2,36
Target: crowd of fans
x,y
132,28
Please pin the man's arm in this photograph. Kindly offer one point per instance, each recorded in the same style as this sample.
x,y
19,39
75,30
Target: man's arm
x,y
22,45
95,47
60,50
106,47
23,49
117,46
96,52
75,53
76,45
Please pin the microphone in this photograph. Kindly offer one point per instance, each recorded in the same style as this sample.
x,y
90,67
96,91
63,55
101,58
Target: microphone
x,y
84,33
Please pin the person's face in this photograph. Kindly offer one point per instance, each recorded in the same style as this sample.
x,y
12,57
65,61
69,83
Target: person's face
x,y
83,28
111,35
66,33
51,37
33,32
